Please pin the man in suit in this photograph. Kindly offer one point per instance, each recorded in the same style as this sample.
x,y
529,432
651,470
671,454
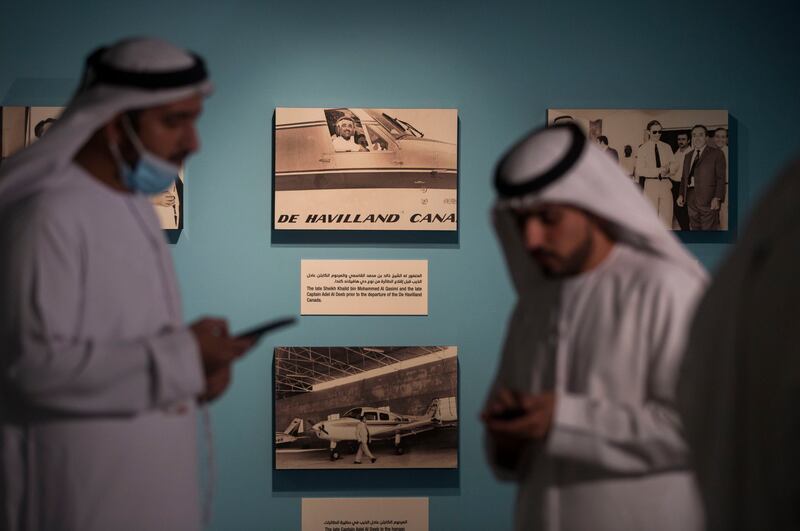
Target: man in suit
x,y
675,175
721,141
703,182
602,141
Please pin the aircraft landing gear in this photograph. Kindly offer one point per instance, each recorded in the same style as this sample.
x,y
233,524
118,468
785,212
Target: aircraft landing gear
x,y
398,450
334,452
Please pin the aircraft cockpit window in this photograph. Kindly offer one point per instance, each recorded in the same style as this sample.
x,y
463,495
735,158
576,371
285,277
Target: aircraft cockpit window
x,y
370,415
347,132
384,416
354,413
378,140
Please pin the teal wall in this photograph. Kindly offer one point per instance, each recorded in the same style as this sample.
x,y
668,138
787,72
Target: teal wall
x,y
502,65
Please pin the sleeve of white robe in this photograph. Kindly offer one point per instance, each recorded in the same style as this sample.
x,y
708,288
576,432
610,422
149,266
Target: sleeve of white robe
x,y
48,366
511,374
634,438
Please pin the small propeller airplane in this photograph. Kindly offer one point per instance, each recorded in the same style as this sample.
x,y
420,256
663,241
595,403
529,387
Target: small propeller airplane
x,y
383,424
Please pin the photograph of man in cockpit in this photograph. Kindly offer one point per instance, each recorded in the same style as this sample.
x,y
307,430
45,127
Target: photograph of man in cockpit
x,y
348,168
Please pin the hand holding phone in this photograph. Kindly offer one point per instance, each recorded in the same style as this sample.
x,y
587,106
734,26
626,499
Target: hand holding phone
x,y
256,332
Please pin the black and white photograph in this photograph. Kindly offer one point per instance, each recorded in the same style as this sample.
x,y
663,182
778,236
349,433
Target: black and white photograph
x,y
679,158
365,407
366,169
169,205
22,126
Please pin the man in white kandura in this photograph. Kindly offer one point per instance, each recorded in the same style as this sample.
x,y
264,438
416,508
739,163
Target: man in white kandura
x,y
100,376
344,139
581,413
738,390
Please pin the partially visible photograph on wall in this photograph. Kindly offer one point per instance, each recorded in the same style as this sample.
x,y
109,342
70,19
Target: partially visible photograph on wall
x,y
365,407
169,205
366,169
679,158
22,126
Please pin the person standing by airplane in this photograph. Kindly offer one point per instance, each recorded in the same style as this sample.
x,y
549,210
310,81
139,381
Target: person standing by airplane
x,y
362,436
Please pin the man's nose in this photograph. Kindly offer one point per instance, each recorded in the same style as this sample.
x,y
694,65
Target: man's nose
x,y
191,140
534,233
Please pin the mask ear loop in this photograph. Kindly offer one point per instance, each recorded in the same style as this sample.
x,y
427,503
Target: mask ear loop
x,y
123,168
132,136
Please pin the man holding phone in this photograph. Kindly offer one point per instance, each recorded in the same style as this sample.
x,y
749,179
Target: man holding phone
x,y
582,411
99,375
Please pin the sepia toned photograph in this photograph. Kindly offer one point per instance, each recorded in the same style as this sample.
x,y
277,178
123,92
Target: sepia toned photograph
x,y
22,126
168,205
679,159
365,407
366,169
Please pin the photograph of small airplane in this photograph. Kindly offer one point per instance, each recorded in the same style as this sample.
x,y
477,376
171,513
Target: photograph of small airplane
x,y
383,424
396,405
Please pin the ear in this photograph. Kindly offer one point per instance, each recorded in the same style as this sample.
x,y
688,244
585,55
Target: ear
x,y
112,130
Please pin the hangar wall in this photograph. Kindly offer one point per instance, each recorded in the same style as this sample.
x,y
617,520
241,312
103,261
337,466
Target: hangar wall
x,y
411,391
502,64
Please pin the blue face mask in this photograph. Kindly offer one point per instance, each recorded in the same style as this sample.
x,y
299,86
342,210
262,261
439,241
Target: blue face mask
x,y
151,174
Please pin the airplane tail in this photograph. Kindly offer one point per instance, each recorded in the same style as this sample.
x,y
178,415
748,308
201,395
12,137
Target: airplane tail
x,y
443,409
295,427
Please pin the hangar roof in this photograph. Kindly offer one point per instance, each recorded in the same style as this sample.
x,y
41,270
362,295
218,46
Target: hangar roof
x,y
299,369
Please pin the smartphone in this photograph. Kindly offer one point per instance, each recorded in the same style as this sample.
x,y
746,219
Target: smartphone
x,y
509,414
258,331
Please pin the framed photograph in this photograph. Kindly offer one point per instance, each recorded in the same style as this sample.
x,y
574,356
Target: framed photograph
x,y
366,407
366,169
679,158
22,126
169,205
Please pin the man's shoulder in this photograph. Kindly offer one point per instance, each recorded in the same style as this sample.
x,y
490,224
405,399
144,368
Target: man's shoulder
x,y
652,272
64,203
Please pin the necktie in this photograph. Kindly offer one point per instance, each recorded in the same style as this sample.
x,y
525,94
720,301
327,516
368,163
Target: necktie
x,y
694,165
658,157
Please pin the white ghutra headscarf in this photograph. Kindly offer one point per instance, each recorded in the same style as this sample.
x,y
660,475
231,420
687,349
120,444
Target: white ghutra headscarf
x,y
558,165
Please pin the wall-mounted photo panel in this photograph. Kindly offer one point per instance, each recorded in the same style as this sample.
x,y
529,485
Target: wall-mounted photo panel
x,y
22,126
366,407
366,169
679,158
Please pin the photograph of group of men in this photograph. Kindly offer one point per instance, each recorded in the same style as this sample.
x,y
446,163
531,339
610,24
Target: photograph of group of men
x,y
22,126
678,157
